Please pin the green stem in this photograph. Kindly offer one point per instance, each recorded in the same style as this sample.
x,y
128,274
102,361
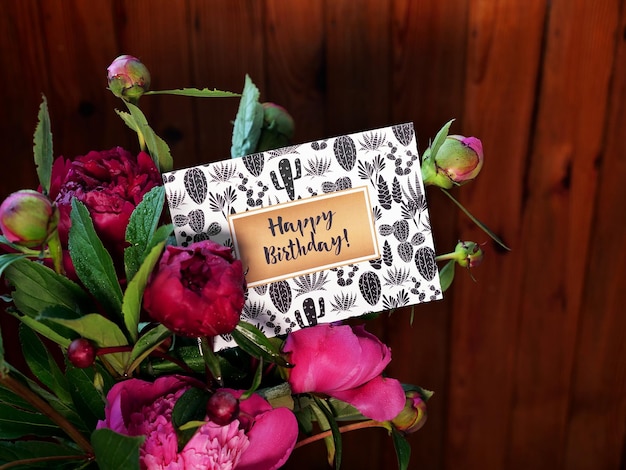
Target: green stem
x,y
447,256
342,429
27,394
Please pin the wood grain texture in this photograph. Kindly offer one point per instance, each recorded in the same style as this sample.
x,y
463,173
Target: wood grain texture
x,y
528,363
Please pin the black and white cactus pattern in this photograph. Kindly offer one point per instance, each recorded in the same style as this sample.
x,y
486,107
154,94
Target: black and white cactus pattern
x,y
384,160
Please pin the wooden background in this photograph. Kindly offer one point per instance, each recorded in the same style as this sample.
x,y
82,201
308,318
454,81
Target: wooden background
x,y
529,362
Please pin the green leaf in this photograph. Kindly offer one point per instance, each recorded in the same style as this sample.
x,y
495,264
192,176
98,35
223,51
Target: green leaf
x,y
15,423
4,370
248,123
440,139
254,342
336,434
446,275
7,259
211,361
88,399
92,261
103,332
43,365
191,406
38,287
480,225
131,304
13,452
141,226
158,148
42,146
146,344
256,381
403,449
195,92
115,451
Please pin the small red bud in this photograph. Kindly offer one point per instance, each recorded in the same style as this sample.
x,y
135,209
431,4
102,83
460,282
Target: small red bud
x,y
222,407
81,353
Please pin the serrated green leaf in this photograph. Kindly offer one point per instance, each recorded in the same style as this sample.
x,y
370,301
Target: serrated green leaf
x,y
42,146
440,139
115,451
16,423
248,123
43,365
254,342
141,226
403,450
93,263
446,275
128,120
195,93
13,452
146,344
38,287
191,406
131,304
158,148
478,223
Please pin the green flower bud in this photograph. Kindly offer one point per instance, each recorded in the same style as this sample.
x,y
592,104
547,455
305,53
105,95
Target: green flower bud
x,y
128,78
458,161
468,254
28,218
278,128
413,415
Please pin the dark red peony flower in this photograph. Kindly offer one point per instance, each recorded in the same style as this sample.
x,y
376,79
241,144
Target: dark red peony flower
x,y
110,183
196,291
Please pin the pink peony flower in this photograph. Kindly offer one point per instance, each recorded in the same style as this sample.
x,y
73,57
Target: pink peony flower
x,y
111,184
345,363
262,438
28,218
196,291
458,161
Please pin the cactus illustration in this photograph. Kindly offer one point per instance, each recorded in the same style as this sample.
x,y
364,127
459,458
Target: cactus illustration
x,y
387,254
384,198
196,185
425,262
284,168
404,133
308,306
280,293
396,190
254,163
196,220
345,152
370,287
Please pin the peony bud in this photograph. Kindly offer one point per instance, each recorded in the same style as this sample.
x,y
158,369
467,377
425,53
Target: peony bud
x,y
81,353
413,416
278,128
458,160
468,254
222,407
128,78
28,218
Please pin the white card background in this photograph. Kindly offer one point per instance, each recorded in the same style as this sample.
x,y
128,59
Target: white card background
x,y
383,160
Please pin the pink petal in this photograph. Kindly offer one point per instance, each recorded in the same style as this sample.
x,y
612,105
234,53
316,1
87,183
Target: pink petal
x,y
380,399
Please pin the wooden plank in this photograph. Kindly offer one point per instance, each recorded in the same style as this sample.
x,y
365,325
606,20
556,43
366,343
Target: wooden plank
x,y
596,432
296,63
556,223
428,63
504,46
227,41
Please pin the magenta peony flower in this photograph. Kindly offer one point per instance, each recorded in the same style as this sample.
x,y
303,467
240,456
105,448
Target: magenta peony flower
x,y
345,363
262,438
111,184
196,291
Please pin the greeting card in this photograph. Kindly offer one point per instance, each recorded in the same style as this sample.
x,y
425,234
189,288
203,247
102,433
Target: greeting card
x,y
325,230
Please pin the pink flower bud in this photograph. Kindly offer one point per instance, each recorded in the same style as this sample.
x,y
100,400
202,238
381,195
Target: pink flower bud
x,y
458,161
28,218
81,353
413,415
468,254
222,407
128,78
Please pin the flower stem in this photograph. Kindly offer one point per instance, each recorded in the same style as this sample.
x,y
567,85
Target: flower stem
x,y
342,429
27,394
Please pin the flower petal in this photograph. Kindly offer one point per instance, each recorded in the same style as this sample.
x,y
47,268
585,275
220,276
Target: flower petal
x,y
380,399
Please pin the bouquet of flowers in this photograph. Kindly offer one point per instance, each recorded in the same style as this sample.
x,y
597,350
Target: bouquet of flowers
x,y
118,322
